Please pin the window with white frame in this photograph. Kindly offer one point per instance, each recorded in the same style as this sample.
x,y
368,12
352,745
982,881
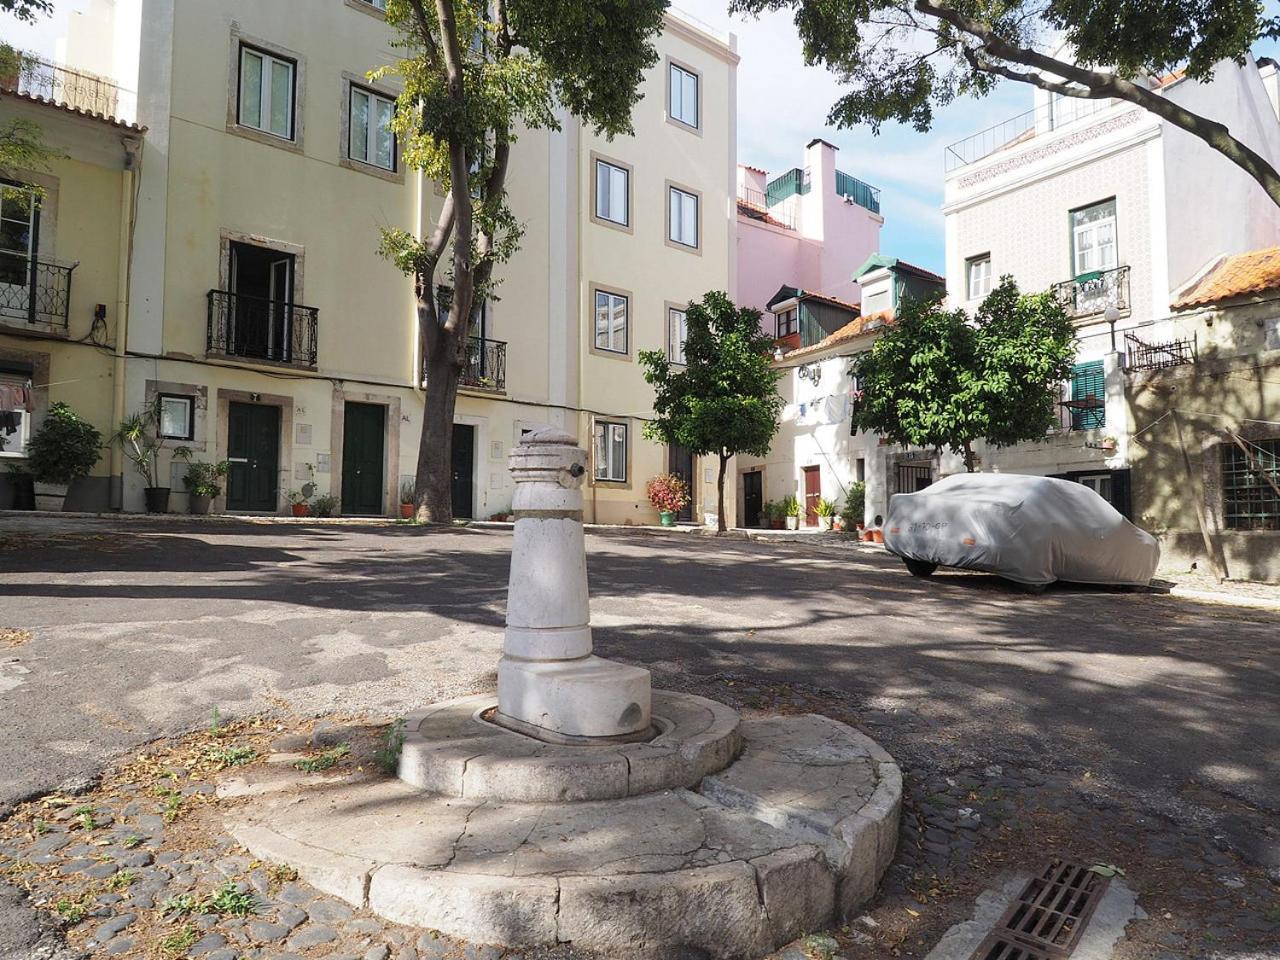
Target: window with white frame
x,y
1093,238
611,451
682,220
370,138
684,95
266,92
677,333
376,4
613,190
978,276
611,321
15,419
177,416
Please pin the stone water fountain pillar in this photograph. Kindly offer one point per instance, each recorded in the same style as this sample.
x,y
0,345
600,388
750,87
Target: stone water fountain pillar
x,y
550,685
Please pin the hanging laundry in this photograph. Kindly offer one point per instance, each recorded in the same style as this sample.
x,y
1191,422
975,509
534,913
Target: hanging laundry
x,y
15,396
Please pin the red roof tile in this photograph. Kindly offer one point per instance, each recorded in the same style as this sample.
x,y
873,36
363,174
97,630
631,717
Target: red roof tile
x,y
1234,276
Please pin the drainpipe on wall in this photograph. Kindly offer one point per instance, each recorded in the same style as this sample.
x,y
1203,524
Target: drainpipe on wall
x,y
132,156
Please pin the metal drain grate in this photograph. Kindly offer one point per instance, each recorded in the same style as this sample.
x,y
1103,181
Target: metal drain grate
x,y
1047,919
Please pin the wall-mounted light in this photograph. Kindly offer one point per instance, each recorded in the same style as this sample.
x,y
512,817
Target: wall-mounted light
x,y
255,397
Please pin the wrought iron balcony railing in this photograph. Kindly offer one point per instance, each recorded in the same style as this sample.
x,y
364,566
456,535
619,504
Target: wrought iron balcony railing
x,y
1140,355
34,291
753,203
78,89
486,365
1092,293
260,329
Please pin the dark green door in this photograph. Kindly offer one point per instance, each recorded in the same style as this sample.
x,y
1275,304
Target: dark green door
x,y
363,425
253,447
464,465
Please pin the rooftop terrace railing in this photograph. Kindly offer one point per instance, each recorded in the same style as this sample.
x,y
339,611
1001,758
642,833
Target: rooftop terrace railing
x,y
1055,115
78,89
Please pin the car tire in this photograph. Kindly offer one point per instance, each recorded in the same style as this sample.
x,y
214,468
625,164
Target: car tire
x,y
1034,589
920,568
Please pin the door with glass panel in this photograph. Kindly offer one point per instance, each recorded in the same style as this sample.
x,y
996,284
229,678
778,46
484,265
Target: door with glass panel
x,y
19,239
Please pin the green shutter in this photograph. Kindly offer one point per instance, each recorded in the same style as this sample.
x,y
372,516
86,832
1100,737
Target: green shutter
x,y
1088,379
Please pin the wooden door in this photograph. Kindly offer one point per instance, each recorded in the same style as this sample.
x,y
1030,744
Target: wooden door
x,y
812,493
363,427
253,448
752,498
680,462
464,456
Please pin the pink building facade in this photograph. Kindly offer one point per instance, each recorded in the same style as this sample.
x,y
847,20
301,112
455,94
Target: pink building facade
x,y
810,227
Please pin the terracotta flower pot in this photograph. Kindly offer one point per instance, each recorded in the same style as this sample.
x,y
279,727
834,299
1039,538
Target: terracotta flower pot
x,y
877,536
299,509
406,511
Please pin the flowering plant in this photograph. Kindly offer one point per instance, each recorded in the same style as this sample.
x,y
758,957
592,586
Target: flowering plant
x,y
668,493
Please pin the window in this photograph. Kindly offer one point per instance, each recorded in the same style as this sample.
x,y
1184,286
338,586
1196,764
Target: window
x,y
266,92
376,4
1088,394
1250,500
370,138
611,451
1093,238
19,228
15,418
788,322
613,193
683,99
677,333
978,276
1099,483
611,322
860,470
682,217
177,416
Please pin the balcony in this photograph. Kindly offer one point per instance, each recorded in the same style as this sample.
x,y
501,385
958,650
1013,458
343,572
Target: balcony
x,y
255,328
1092,293
1140,355
863,194
77,89
1055,115
34,291
486,365
754,204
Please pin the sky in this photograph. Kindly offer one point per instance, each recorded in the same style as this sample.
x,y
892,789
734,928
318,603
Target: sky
x,y
782,105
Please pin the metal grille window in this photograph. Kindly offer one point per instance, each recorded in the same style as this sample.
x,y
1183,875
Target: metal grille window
x,y
677,333
1250,498
1088,385
611,451
684,95
371,139
611,322
266,92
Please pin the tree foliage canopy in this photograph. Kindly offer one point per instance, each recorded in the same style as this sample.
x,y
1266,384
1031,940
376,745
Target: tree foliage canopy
x,y
941,379
724,399
900,60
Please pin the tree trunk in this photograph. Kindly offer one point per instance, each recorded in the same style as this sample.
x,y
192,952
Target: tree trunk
x,y
433,485
968,457
724,462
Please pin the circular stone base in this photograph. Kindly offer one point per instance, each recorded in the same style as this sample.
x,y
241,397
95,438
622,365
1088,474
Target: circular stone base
x,y
791,838
452,750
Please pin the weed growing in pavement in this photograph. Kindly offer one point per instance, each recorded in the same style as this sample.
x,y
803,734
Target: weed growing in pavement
x,y
231,756
323,761
388,753
39,827
172,802
281,873
231,901
818,946
216,726
131,841
72,909
181,905
179,942
122,880
84,817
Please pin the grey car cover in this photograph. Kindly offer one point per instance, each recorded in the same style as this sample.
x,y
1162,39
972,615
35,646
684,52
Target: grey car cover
x,y
1029,529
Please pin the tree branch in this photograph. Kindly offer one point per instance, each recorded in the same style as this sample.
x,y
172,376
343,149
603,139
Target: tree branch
x,y
1100,85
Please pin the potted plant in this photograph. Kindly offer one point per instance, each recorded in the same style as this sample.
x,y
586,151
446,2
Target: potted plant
x,y
406,500
324,506
140,439
202,483
766,515
63,449
791,511
826,511
1108,444
298,505
855,506
669,495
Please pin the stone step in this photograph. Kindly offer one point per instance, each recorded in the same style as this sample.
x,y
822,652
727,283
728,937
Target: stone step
x,y
733,873
819,779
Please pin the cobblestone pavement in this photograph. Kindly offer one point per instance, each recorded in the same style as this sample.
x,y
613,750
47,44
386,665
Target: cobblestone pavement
x,y
1135,730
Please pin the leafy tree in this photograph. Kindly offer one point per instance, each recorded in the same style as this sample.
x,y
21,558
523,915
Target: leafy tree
x,y
941,379
27,10
902,58
474,73
21,145
724,400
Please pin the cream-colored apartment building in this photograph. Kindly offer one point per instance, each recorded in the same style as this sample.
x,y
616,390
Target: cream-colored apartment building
x,y
258,310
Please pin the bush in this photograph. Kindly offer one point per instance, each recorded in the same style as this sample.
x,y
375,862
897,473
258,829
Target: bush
x,y
202,478
790,506
855,504
668,493
64,447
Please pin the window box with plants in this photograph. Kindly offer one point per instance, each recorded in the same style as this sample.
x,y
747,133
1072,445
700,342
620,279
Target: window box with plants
x,y
669,495
60,455
203,483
